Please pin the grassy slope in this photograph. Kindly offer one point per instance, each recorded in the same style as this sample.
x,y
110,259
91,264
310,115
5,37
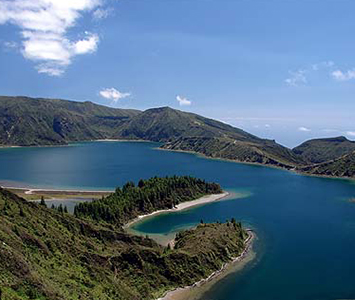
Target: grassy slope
x,y
48,255
322,150
30,121
190,132
340,167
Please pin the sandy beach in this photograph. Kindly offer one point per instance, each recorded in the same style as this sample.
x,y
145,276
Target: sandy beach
x,y
181,206
30,193
193,292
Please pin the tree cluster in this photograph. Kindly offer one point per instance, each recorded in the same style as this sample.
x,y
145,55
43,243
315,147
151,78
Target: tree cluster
x,y
148,196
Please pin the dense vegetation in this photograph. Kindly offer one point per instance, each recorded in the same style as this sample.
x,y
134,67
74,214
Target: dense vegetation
x,y
46,254
27,121
340,167
265,152
148,196
322,150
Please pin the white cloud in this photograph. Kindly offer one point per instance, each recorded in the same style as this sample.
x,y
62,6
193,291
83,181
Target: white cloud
x,y
113,94
88,45
323,64
44,25
183,101
304,129
101,13
10,45
267,125
297,78
350,133
301,76
343,76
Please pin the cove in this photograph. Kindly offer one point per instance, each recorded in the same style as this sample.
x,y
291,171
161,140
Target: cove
x,y
305,225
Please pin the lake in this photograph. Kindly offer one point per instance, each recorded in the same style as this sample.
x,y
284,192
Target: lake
x,y
305,225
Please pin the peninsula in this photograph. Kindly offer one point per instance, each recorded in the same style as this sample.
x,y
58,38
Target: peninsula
x,y
49,254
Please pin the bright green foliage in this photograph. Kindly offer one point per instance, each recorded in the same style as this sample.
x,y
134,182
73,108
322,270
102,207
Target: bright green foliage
x,y
150,195
45,254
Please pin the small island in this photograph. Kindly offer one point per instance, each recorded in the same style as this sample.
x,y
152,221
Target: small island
x,y
49,254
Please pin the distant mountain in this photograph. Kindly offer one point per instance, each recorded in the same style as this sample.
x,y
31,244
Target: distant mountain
x,y
340,167
190,132
167,124
322,150
28,121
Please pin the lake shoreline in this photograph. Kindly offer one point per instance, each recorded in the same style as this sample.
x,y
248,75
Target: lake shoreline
x,y
175,294
291,170
34,194
75,142
181,206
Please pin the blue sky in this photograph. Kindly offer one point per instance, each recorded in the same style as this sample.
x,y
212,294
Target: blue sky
x,y
279,69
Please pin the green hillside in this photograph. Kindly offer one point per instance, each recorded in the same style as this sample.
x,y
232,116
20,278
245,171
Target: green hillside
x,y
190,132
322,150
46,254
256,151
30,121
165,124
340,167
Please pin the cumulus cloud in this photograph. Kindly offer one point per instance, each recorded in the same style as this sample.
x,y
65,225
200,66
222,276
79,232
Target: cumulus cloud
x,y
183,101
350,133
44,25
113,94
343,75
296,78
304,129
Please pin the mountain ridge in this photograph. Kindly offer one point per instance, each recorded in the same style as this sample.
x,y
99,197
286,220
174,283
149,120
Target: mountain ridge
x,y
324,149
26,121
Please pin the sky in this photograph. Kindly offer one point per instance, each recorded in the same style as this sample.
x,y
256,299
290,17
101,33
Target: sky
x,y
283,70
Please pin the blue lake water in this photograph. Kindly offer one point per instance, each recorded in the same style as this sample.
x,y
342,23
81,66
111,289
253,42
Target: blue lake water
x,y
305,225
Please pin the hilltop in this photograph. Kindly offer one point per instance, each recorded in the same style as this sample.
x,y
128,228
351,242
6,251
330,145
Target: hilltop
x,y
28,121
322,150
34,121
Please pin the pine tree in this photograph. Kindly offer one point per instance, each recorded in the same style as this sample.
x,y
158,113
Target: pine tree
x,y
43,203
22,213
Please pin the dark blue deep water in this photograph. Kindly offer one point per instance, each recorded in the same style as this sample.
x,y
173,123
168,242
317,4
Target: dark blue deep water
x,y
305,225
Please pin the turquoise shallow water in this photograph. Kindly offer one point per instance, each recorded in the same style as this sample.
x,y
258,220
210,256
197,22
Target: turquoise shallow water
x,y
305,225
